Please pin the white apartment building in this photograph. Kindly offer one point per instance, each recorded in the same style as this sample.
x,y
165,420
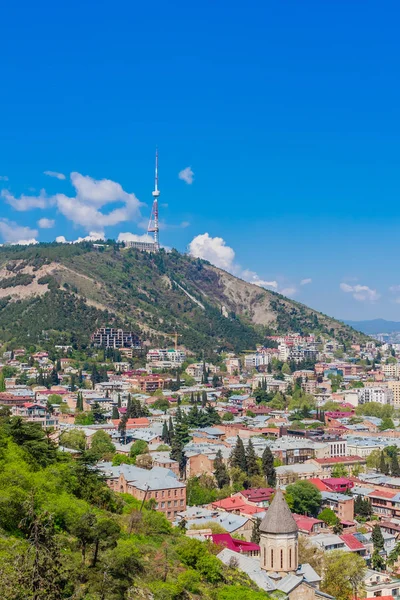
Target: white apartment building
x,y
284,352
337,448
258,359
382,395
165,358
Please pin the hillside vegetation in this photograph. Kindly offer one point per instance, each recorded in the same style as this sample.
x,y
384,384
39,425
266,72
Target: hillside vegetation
x,y
60,293
65,535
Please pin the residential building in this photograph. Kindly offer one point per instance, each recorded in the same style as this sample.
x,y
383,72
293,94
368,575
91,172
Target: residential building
x,y
165,357
395,387
158,483
325,465
36,413
109,337
258,359
382,395
342,505
227,541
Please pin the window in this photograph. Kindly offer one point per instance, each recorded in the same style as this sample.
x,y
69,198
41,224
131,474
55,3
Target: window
x,y
265,557
175,492
175,502
169,502
162,504
181,502
272,558
281,559
290,558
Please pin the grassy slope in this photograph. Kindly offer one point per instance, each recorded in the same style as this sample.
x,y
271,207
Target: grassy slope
x,y
154,294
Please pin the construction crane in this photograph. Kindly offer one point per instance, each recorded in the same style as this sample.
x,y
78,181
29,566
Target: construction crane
x,y
175,336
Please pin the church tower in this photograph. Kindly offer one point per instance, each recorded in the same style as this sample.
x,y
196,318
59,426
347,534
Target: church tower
x,y
279,538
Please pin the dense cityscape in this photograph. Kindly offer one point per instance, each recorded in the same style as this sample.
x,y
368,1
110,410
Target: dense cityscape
x,y
283,459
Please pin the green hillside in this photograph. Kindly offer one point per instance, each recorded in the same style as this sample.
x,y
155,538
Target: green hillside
x,y
60,293
65,535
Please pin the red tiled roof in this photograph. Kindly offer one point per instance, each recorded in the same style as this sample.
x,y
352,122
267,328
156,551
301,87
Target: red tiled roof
x,y
305,523
319,484
351,541
231,503
258,494
382,494
132,423
225,539
336,481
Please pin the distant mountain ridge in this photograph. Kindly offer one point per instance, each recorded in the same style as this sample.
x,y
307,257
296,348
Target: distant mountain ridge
x,y
375,326
60,293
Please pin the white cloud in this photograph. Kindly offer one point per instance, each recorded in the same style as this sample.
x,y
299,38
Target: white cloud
x,y
362,293
214,250
46,223
94,236
3,178
219,254
12,233
55,174
61,240
134,237
394,288
186,175
83,209
306,281
30,242
288,291
184,224
24,203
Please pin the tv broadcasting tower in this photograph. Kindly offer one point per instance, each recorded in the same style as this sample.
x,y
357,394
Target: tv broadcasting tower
x,y
153,223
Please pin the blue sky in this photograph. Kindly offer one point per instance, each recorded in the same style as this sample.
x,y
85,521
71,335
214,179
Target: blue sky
x,y
286,112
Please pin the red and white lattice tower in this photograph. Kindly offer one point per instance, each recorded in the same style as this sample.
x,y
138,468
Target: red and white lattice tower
x,y
153,223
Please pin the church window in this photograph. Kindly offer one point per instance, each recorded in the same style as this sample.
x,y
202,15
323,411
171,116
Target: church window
x,y
272,558
290,558
281,559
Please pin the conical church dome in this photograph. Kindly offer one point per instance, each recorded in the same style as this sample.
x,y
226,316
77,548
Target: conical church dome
x,y
278,519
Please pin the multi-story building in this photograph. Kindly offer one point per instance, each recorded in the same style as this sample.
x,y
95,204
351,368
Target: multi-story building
x,y
258,359
165,358
395,387
36,413
341,504
382,395
109,337
158,483
232,365
390,369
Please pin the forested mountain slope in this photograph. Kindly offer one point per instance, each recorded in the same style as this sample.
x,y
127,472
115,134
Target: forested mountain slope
x,y
54,293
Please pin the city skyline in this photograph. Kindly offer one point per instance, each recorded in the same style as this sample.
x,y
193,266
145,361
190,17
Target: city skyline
x,y
278,143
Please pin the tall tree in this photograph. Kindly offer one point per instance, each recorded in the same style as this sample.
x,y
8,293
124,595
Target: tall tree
x,y
238,456
255,534
253,467
394,466
383,465
268,467
220,471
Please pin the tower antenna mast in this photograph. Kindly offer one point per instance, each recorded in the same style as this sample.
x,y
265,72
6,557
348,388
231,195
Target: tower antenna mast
x,y
153,223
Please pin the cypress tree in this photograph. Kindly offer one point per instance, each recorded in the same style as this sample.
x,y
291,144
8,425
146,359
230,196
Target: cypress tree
x,y
255,534
73,382
251,460
220,471
115,413
377,538
171,432
192,398
268,467
383,466
165,433
119,401
394,466
203,398
238,456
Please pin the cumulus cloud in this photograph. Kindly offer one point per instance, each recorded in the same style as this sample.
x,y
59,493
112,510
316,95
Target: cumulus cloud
x,y
362,293
306,281
3,178
84,208
214,250
94,236
12,233
252,277
186,175
46,223
55,174
134,237
24,203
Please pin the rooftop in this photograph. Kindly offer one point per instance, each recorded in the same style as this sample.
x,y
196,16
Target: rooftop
x,y
278,519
